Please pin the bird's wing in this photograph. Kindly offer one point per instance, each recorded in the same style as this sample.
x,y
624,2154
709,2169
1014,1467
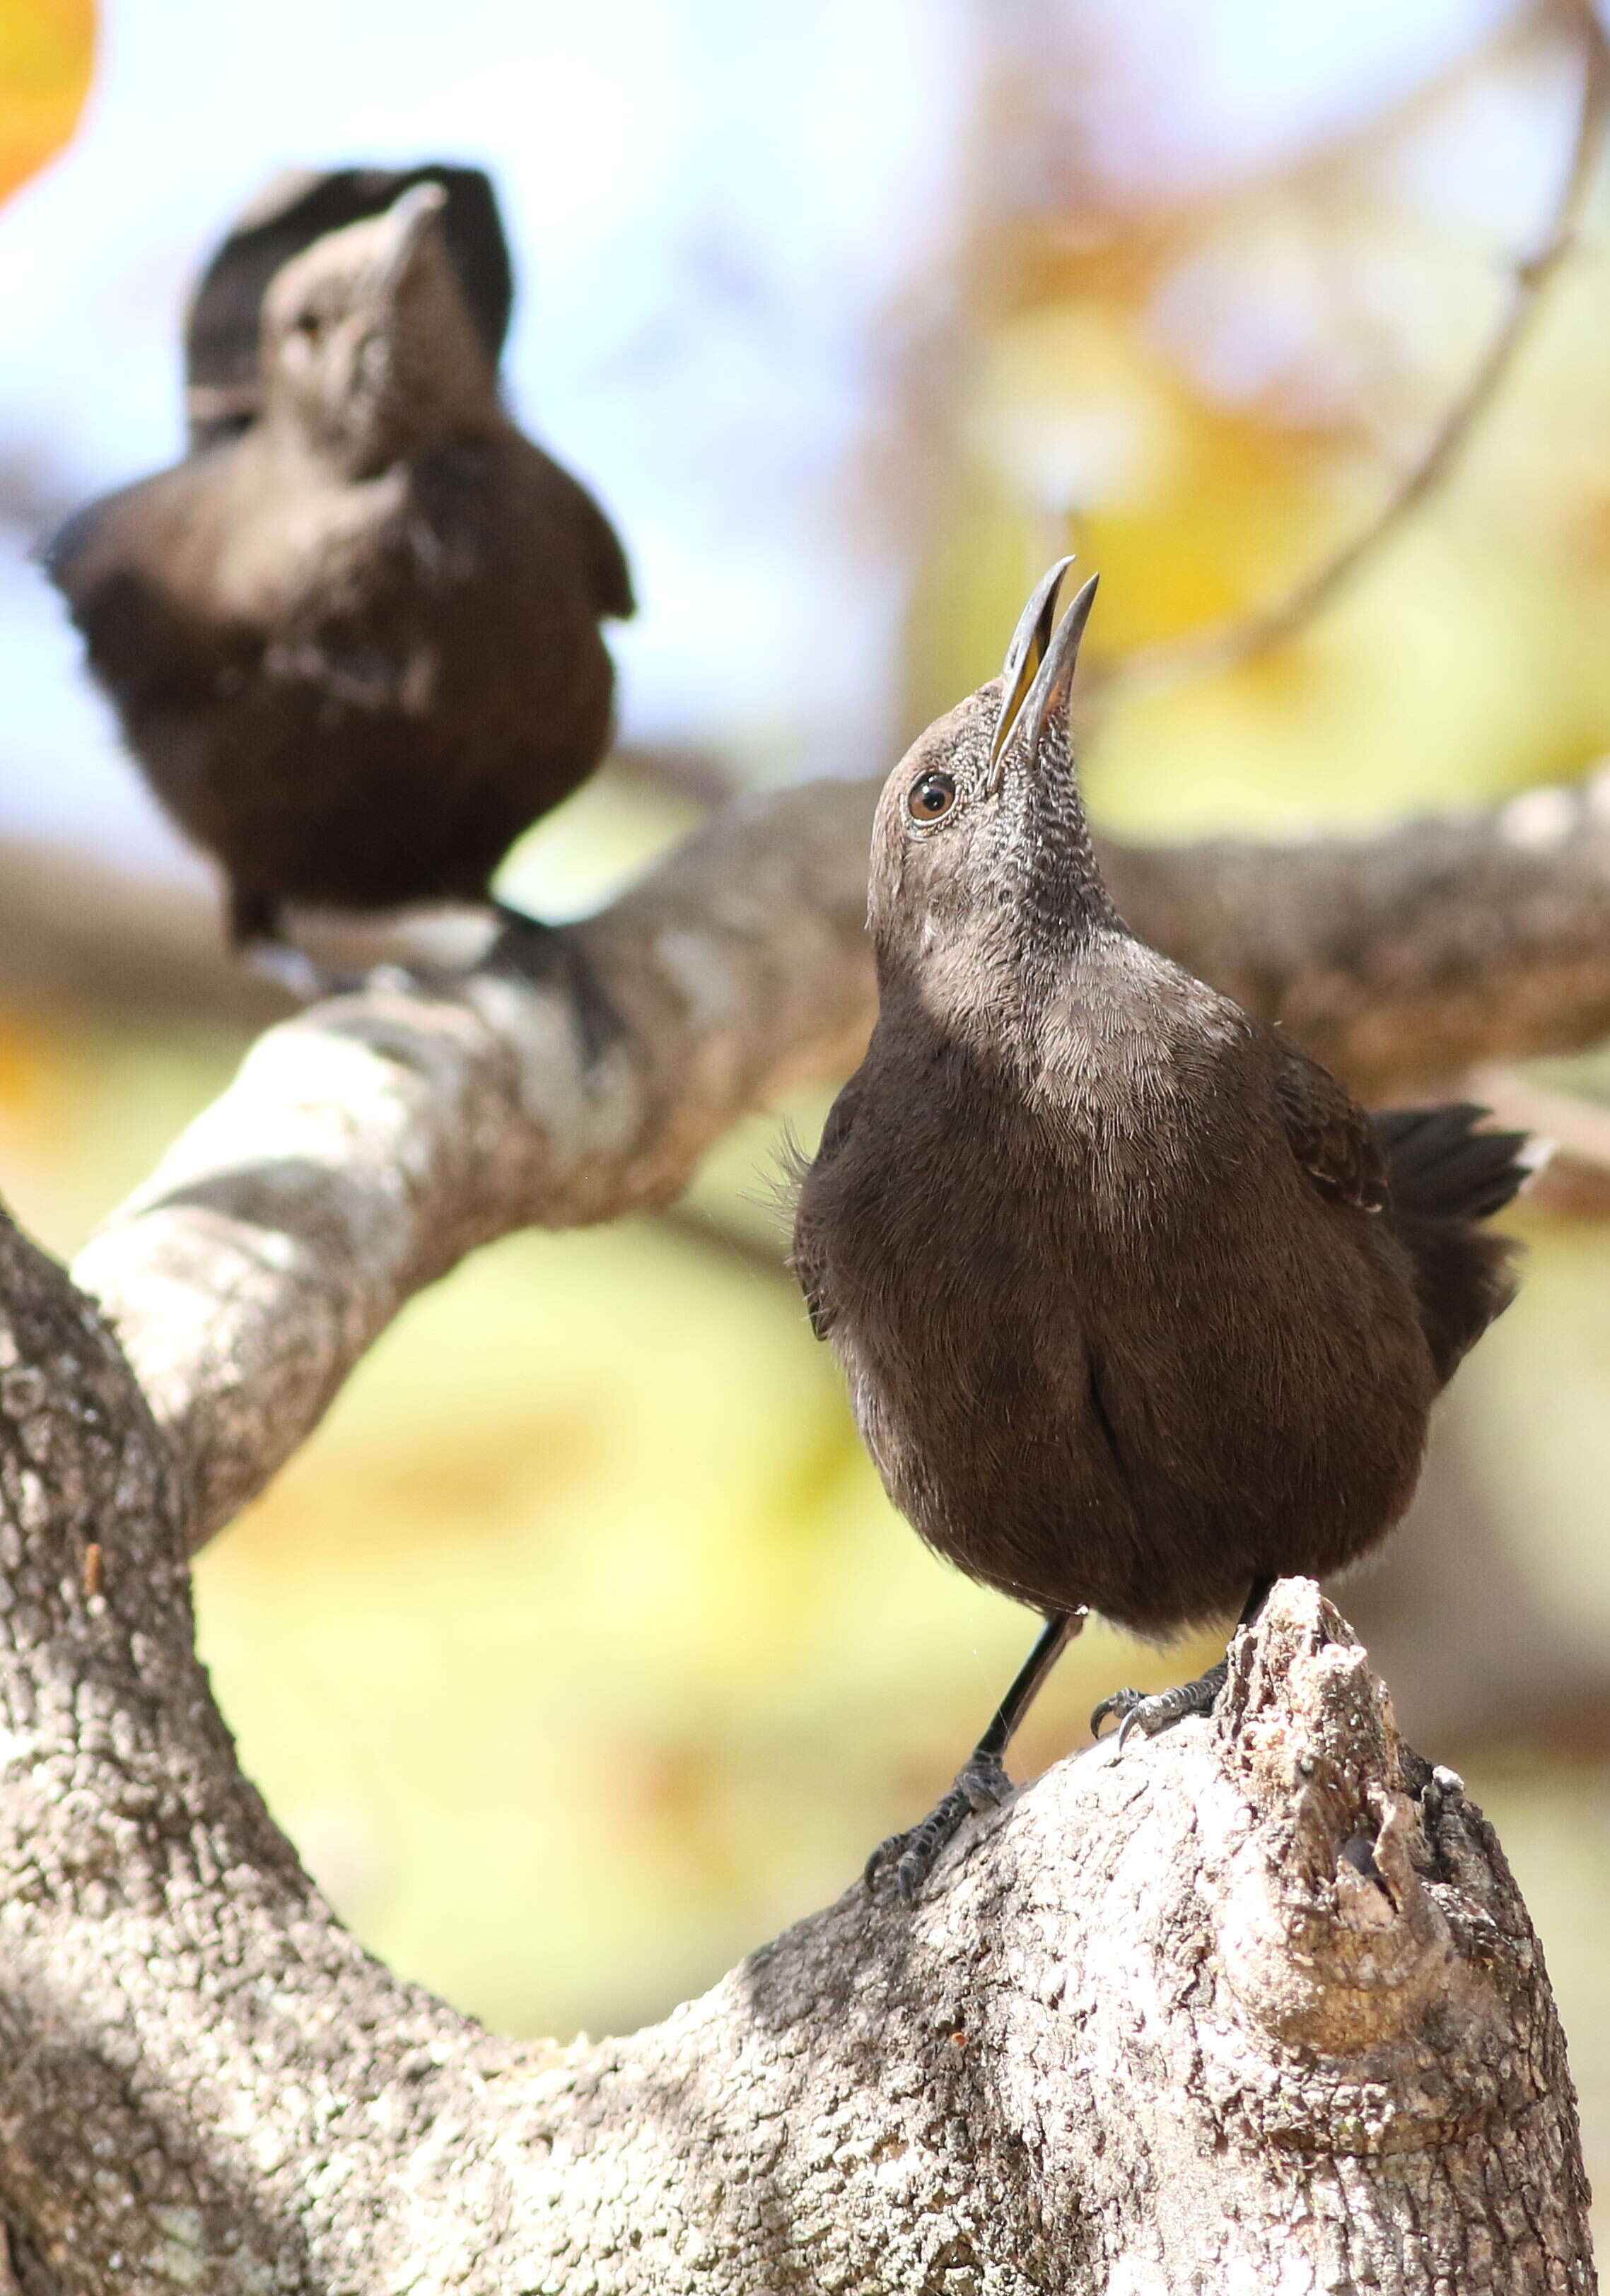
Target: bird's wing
x,y
1329,1134
595,539
90,549
606,559
806,1256
118,564
553,503
807,1265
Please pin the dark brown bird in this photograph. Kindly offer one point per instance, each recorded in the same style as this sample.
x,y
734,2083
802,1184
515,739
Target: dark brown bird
x,y
356,648
1140,1309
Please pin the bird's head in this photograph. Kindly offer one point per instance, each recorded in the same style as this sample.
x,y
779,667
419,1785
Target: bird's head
x,y
981,855
369,351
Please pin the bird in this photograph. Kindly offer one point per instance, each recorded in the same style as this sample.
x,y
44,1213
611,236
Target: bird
x,y
1139,1310
355,645
223,323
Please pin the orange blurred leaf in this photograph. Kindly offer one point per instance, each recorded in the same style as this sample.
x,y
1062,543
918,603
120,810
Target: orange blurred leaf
x,y
46,61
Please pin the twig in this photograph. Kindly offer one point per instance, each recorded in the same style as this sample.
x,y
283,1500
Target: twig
x,y
1244,639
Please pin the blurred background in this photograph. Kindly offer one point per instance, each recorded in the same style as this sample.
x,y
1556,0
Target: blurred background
x,y
580,1652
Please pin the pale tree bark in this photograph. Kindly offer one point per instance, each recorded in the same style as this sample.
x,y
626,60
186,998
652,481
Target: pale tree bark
x,y
1254,2006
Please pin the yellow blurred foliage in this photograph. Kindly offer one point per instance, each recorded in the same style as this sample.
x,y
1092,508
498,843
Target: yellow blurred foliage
x,y
27,1069
47,50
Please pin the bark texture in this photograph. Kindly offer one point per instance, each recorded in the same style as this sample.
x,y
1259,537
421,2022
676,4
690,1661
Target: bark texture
x,y
1253,2007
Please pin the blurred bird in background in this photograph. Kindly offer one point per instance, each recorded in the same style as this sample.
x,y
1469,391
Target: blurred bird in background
x,y
353,638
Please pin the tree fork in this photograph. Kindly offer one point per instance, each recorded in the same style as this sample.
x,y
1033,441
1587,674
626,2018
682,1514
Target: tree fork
x,y
1254,2005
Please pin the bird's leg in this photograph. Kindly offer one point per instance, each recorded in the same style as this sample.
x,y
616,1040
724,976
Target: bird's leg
x,y
547,954
253,924
251,916
1150,1715
982,1782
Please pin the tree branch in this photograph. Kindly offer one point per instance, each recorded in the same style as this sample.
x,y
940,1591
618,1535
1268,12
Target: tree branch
x,y
1250,636
367,1144
1256,2001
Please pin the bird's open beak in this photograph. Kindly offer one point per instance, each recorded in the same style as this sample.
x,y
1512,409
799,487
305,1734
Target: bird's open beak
x,y
1054,685
1023,658
402,232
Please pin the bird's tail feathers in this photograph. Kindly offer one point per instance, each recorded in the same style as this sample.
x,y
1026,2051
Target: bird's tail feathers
x,y
1443,1166
1445,1175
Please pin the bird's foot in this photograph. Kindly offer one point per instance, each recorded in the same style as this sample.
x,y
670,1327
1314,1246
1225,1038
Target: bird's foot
x,y
1163,1708
983,1784
550,956
298,974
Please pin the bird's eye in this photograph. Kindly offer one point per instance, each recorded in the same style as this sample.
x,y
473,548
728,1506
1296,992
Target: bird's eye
x,y
931,797
309,325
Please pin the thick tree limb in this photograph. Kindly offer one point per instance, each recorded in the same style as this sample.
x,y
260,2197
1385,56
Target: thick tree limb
x,y
1254,2006
366,1146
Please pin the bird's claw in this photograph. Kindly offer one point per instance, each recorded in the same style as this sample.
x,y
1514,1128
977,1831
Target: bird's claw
x,y
549,954
299,975
1164,1708
983,1784
1122,1703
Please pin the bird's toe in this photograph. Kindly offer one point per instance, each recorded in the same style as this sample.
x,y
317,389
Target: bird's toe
x,y
911,1856
549,957
298,974
1163,1709
1121,1704
984,1783
920,1848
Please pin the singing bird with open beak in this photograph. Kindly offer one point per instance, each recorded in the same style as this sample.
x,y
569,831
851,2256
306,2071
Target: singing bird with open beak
x,y
1140,1309
355,648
